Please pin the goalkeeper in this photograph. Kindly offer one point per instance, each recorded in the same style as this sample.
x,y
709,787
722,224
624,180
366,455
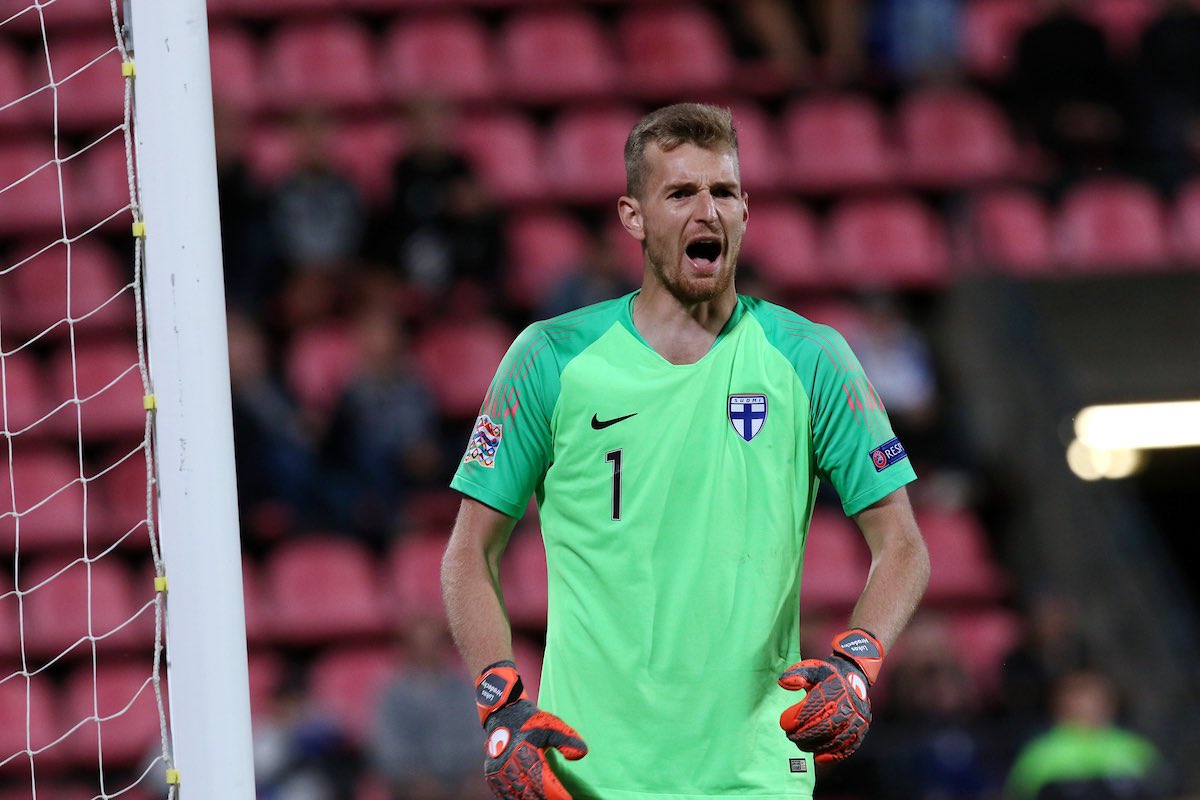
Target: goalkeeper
x,y
674,440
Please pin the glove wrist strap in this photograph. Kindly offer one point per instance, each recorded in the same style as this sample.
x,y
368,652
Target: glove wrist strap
x,y
497,686
862,649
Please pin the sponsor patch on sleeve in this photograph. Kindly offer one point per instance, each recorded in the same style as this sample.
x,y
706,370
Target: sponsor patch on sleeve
x,y
484,442
887,454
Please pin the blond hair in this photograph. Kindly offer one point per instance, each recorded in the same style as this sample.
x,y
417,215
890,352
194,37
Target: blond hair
x,y
710,127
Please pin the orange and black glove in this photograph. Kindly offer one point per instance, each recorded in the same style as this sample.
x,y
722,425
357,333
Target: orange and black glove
x,y
832,719
518,733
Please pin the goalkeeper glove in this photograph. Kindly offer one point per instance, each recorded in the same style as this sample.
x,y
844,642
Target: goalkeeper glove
x,y
833,718
518,733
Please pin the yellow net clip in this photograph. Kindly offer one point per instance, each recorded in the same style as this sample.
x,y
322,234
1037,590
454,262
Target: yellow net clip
x,y
149,402
172,777
128,69
139,230
160,583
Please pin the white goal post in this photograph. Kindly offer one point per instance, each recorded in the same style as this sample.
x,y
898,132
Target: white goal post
x,y
185,311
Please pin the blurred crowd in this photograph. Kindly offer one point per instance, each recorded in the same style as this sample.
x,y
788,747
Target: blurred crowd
x,y
342,428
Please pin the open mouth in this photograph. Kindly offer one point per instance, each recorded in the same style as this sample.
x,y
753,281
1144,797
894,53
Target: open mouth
x,y
704,251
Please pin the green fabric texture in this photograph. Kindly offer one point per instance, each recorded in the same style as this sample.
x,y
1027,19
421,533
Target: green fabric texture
x,y
1071,753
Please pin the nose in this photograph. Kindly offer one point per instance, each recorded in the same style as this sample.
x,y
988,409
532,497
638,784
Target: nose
x,y
706,206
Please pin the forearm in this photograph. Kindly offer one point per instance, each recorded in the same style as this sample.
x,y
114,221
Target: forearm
x,y
899,572
472,594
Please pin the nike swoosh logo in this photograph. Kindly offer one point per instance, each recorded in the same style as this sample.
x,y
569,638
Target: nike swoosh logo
x,y
602,424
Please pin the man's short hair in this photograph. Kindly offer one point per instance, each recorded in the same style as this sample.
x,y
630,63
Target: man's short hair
x,y
710,127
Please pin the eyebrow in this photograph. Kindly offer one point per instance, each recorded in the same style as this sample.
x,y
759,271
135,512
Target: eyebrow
x,y
731,186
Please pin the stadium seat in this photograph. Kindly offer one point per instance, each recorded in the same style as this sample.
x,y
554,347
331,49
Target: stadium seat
x,y
782,245
98,189
1122,21
233,54
585,153
109,384
953,138
963,569
1010,229
523,575
318,364
364,151
671,51
329,64
280,9
30,184
990,29
32,700
56,612
458,361
413,580
266,668
96,278
49,496
889,241
983,638
62,14
91,90
122,697
12,86
543,247
836,561
448,54
556,55
347,683
504,148
836,143
117,498
23,385
323,589
1109,225
758,149
1184,227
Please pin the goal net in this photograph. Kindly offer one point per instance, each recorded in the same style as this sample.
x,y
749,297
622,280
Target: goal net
x,y
83,585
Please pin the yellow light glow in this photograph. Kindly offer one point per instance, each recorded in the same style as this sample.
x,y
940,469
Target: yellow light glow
x,y
1138,426
1093,464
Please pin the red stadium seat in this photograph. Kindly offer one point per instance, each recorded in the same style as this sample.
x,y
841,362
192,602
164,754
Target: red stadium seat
x,y
28,701
413,575
556,55
758,149
347,683
458,361
523,574
49,495
504,147
56,611
117,499
105,378
233,54
10,619
12,87
23,385
75,14
982,639
675,50
266,668
447,55
319,363
96,279
990,29
1010,229
782,245
893,241
363,150
330,64
90,87
1122,21
122,697
322,589
1111,224
585,153
281,9
543,246
836,143
1184,227
953,138
962,567
29,180
836,561
98,189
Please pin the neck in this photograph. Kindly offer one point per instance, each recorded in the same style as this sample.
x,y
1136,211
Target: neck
x,y
682,333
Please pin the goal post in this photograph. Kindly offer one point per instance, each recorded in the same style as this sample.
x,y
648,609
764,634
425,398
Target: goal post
x,y
188,356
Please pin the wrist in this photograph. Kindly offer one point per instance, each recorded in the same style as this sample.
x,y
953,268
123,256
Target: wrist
x,y
862,649
497,686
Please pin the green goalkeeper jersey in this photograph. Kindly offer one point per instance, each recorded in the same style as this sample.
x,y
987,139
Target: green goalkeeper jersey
x,y
674,502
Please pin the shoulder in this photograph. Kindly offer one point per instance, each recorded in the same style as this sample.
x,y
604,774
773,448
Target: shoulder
x,y
808,345
557,340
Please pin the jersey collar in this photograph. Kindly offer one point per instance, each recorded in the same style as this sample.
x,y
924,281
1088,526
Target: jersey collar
x,y
739,311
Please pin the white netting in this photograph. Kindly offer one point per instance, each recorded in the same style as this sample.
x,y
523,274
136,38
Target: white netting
x,y
81,607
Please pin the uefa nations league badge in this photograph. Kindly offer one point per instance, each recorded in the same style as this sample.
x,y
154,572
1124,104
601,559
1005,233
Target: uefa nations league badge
x,y
747,414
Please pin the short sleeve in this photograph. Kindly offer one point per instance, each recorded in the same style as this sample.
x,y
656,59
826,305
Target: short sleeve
x,y
854,446
508,450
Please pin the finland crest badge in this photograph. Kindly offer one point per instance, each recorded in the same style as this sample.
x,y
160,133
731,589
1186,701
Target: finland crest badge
x,y
747,413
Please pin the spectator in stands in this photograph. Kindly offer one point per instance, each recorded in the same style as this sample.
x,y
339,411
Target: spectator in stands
x,y
1071,92
275,457
427,738
1169,89
440,225
599,275
382,439
1086,753
806,41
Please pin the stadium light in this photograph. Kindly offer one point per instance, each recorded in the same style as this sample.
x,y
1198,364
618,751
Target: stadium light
x,y
1139,426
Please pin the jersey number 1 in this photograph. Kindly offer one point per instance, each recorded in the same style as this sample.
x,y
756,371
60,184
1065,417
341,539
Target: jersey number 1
x,y
614,458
